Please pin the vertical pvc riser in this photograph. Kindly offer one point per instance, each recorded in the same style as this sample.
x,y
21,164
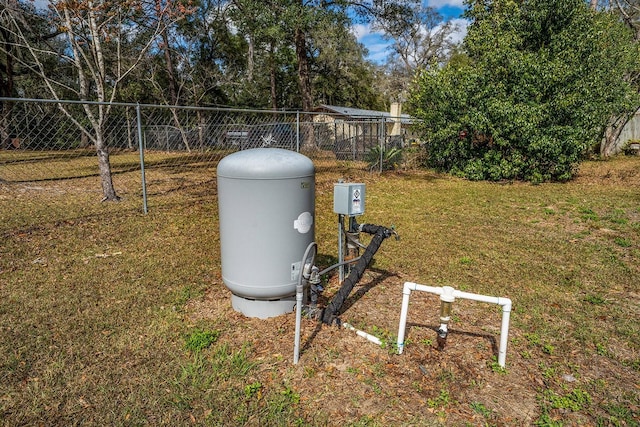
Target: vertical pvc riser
x,y
406,293
296,341
504,333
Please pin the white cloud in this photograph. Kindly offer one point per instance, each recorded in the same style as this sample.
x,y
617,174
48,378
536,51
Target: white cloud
x,y
361,31
373,41
436,4
378,52
461,32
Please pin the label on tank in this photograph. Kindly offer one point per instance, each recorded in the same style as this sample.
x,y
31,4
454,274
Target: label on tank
x,y
303,223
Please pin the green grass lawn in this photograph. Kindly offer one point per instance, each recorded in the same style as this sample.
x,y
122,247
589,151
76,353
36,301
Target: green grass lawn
x,y
112,317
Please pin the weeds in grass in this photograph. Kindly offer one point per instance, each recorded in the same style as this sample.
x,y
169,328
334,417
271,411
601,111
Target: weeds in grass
x,y
622,242
387,340
253,389
601,349
587,214
465,260
533,339
479,408
199,340
440,401
496,367
548,349
575,400
545,420
525,354
229,364
364,421
594,299
548,372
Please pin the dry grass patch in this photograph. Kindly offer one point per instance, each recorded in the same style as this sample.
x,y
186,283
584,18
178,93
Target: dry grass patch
x,y
108,316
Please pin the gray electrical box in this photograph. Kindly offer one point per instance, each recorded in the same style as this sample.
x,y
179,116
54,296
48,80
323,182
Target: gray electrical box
x,y
348,198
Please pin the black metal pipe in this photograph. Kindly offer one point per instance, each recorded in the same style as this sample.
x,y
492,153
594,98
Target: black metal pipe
x,y
329,315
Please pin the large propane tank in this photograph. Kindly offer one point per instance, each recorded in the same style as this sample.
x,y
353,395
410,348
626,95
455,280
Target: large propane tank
x,y
266,199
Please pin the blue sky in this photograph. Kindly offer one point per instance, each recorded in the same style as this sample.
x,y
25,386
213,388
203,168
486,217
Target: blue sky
x,y
378,48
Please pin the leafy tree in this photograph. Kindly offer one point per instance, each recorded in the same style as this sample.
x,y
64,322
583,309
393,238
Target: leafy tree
x,y
10,11
316,32
531,95
341,76
419,38
94,42
213,55
270,56
629,12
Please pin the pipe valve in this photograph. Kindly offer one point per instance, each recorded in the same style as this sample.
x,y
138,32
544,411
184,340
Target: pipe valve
x,y
446,302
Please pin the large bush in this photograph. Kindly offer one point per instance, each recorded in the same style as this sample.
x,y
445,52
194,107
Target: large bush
x,y
531,94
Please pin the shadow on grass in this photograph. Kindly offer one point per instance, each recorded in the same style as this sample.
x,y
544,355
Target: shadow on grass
x,y
191,162
490,338
353,298
126,161
100,217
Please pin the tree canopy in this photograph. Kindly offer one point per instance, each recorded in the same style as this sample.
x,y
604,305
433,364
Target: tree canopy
x,y
532,92
276,54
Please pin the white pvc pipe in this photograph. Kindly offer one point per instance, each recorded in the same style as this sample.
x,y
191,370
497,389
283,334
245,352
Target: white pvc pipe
x,y
363,334
296,341
302,278
449,293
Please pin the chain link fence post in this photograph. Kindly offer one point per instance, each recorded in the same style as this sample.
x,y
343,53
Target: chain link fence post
x,y
141,149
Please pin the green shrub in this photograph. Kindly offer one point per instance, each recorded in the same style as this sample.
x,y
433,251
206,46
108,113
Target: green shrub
x,y
390,158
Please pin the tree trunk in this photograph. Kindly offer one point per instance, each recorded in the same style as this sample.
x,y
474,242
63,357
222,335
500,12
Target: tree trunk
x,y
250,59
7,84
6,89
272,79
130,127
304,74
304,81
5,120
104,167
173,87
202,124
171,77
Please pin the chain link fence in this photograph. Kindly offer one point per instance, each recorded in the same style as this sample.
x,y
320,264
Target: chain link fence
x,y
48,150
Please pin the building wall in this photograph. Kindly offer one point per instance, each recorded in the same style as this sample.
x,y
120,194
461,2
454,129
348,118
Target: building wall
x,y
630,132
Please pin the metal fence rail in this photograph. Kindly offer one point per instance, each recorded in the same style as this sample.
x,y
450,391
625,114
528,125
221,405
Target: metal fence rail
x,y
47,147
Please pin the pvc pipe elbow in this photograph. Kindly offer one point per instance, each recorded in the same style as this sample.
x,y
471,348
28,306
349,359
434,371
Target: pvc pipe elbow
x,y
505,303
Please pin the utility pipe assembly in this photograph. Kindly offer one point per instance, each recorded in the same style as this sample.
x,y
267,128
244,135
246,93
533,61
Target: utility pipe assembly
x,y
309,279
447,297
380,233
